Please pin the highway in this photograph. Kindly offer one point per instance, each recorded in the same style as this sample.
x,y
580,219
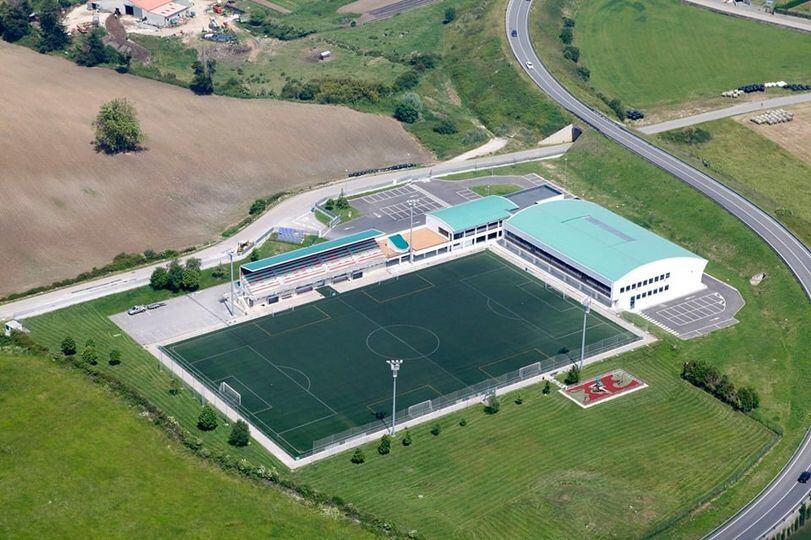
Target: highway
x,y
783,494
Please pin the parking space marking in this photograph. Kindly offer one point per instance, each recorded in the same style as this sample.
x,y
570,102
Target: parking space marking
x,y
402,210
692,309
468,194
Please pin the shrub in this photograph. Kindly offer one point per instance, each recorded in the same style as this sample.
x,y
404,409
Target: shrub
x,y
407,438
406,81
463,422
688,135
450,15
175,387
409,108
348,90
547,388
493,404
573,375
445,127
708,378
566,35
583,72
117,127
68,346
424,61
568,22
748,399
616,106
191,279
240,434
207,421
115,357
474,137
219,271
570,52
258,206
436,429
519,399
358,457
92,51
90,356
385,445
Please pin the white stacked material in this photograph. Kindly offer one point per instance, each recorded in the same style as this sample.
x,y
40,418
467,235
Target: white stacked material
x,y
775,84
776,116
732,93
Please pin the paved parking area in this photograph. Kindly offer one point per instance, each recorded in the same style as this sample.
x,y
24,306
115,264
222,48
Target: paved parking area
x,y
402,210
700,313
389,210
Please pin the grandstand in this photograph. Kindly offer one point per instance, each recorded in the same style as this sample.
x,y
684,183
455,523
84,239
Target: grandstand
x,y
301,270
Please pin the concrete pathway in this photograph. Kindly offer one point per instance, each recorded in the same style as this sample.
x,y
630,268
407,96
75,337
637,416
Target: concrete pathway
x,y
740,9
743,108
491,146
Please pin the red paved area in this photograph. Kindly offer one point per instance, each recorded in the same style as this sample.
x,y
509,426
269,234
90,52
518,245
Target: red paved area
x,y
610,385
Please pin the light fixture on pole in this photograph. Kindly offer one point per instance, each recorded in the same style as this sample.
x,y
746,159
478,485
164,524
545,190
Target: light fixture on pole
x,y
231,259
411,204
586,308
395,367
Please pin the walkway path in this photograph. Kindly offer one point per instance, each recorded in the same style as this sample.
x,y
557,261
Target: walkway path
x,y
735,110
739,9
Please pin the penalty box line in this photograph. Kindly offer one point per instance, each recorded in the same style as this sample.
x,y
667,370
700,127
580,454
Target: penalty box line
x,y
327,317
384,400
409,293
483,367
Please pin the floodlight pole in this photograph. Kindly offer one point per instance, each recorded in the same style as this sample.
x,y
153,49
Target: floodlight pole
x,y
395,367
586,308
411,204
231,259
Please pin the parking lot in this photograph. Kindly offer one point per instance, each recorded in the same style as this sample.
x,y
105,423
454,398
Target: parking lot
x,y
390,211
699,313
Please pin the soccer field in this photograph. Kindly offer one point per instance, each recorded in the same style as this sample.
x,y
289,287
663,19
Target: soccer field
x,y
320,369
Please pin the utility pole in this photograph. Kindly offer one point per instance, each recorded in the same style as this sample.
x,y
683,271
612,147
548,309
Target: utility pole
x,y
231,259
586,308
395,367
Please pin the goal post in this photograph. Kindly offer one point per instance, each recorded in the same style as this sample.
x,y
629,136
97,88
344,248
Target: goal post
x,y
530,371
228,392
418,409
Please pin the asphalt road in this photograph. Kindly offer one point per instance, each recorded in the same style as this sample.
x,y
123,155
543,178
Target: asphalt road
x,y
286,213
784,493
740,9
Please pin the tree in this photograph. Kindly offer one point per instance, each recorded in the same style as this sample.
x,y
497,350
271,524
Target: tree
x,y
450,15
201,83
358,457
68,346
175,275
409,108
254,255
493,404
583,72
159,278
748,399
407,438
572,53
115,357
219,271
54,37
547,389
191,279
573,375
207,421
566,35
436,429
91,51
406,81
385,445
175,387
14,20
240,434
117,127
90,356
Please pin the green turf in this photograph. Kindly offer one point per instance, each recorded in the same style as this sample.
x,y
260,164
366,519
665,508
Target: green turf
x,y
495,189
76,462
320,369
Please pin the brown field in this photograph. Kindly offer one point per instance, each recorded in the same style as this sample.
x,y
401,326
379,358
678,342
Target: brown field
x,y
66,208
793,136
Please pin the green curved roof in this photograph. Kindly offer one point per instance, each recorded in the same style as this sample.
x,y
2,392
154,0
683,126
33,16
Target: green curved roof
x,y
593,237
476,212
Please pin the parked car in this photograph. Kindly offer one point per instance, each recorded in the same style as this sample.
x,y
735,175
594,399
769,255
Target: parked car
x,y
156,305
135,310
804,477
514,33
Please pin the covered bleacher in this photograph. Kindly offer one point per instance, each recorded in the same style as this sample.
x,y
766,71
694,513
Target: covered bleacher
x,y
303,269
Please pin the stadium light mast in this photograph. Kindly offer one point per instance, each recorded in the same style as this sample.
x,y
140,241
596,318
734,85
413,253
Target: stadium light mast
x,y
411,203
231,260
395,367
586,308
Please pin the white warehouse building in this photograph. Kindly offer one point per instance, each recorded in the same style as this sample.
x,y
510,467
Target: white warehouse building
x,y
613,260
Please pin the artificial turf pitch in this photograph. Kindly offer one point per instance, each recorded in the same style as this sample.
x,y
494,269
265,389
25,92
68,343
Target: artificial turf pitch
x,y
320,369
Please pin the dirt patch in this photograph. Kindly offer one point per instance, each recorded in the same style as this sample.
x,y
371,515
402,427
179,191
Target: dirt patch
x,y
364,6
66,208
793,136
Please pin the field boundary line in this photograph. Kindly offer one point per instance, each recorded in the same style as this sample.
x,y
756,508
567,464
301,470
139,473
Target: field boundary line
x,y
429,287
307,423
295,328
483,366
209,357
438,394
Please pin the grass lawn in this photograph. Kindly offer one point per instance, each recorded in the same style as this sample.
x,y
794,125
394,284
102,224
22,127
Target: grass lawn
x,y
495,189
77,461
756,167
694,53
518,169
531,458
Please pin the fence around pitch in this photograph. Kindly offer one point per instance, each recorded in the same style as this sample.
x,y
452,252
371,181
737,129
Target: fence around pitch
x,y
481,389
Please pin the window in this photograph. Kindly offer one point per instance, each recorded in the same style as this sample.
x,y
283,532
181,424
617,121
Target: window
x,y
656,279
667,287
633,286
667,275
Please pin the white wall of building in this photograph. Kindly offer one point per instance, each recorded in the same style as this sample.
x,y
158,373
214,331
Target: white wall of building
x,y
658,282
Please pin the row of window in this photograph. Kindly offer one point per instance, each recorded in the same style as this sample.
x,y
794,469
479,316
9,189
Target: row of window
x,y
651,293
475,231
644,283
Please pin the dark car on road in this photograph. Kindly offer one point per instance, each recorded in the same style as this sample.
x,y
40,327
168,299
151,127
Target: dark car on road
x,y
514,33
804,477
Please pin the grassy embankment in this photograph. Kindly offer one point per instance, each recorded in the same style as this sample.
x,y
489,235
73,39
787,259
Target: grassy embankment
x,y
77,461
495,189
530,467
695,54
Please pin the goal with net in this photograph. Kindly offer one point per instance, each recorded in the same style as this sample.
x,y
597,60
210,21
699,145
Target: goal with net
x,y
418,409
529,371
230,394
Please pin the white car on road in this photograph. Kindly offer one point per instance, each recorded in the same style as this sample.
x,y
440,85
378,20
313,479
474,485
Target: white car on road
x,y
530,65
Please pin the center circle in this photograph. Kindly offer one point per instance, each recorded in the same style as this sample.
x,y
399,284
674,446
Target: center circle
x,y
402,342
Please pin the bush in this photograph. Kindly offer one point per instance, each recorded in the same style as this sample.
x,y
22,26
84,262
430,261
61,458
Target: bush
x,y
463,422
547,388
385,445
519,399
583,72
688,135
159,278
207,421
570,52
493,404
436,429
92,51
407,438
573,375
424,61
14,20
358,457
89,355
566,35
616,106
450,15
406,81
219,271
409,108
240,434
117,127
445,127
115,357
68,346
708,378
748,399
258,206
348,90
175,387
568,22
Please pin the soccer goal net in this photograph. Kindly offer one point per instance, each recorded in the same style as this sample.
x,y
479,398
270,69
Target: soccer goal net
x,y
418,409
230,394
529,371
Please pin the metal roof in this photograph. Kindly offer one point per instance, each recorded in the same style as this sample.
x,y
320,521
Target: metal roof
x,y
593,237
474,213
311,250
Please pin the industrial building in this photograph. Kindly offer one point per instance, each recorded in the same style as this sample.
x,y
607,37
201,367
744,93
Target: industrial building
x,y
158,13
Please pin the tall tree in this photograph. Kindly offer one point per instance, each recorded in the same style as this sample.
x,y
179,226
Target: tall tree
x,y
14,16
54,37
92,51
117,127
201,83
